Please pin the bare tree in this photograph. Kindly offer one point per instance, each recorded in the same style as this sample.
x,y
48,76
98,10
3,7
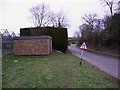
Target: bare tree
x,y
105,21
118,7
110,4
62,20
99,25
59,19
40,15
90,20
84,27
53,19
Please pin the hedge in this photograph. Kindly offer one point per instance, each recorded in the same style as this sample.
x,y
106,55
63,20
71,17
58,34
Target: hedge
x,y
59,36
25,32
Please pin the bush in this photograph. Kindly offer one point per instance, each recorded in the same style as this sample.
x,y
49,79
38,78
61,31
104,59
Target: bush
x,y
25,32
60,38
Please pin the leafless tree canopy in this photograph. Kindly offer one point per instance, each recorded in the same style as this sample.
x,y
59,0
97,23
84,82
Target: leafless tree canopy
x,y
90,20
111,4
92,23
59,19
42,17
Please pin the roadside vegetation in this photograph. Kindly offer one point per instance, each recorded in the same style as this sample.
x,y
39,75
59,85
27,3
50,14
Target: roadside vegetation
x,y
57,70
111,51
105,39
102,34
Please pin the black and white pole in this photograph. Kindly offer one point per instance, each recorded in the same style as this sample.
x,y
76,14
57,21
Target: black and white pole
x,y
81,54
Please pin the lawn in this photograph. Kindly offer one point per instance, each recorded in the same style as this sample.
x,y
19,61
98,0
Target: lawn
x,y
58,70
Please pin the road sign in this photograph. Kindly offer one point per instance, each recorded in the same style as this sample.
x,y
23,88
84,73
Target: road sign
x,y
83,46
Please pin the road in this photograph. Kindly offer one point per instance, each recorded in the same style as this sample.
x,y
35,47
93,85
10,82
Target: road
x,y
105,63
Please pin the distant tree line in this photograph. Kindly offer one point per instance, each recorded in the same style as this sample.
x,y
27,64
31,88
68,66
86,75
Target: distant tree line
x,y
101,32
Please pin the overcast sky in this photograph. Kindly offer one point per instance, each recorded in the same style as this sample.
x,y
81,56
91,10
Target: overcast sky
x,y
14,14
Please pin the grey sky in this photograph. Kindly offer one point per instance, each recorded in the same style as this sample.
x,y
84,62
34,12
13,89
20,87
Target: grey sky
x,y
14,14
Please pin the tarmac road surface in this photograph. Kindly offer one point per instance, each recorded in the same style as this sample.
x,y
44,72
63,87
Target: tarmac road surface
x,y
108,64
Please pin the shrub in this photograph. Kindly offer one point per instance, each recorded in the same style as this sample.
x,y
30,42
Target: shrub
x,y
60,38
25,32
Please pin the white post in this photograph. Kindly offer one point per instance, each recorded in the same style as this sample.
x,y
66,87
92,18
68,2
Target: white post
x,y
81,54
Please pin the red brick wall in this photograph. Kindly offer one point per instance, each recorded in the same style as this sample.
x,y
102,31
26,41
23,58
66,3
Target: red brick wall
x,y
32,47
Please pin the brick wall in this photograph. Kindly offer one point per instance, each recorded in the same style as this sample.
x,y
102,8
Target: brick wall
x,y
32,46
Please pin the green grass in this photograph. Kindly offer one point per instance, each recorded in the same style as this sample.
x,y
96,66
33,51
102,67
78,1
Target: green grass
x,y
58,70
109,53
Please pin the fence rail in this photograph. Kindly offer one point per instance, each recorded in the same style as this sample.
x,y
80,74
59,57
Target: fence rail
x,y
7,45
6,42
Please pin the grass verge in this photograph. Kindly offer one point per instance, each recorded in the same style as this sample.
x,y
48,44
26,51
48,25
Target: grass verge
x,y
58,70
104,53
109,51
